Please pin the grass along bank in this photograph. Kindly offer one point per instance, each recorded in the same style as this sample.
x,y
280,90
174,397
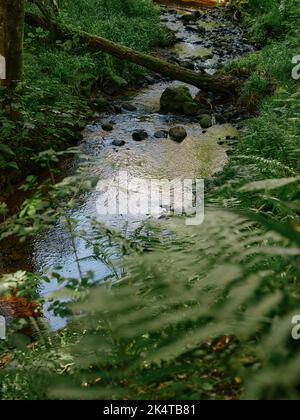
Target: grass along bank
x,y
269,143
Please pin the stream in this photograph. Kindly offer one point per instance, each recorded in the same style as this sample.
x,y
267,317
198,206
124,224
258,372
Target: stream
x,y
206,39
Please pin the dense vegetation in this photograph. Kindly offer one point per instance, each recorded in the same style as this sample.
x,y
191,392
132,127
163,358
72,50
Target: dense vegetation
x,y
61,77
206,315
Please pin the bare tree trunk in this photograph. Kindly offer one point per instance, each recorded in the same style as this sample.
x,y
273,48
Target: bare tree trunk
x,y
223,85
11,41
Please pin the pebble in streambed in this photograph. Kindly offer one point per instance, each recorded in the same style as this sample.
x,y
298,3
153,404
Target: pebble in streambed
x,y
118,143
178,133
139,135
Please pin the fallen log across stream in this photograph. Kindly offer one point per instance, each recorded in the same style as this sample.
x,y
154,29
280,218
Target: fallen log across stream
x,y
221,85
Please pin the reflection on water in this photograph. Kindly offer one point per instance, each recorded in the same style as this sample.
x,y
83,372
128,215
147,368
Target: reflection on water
x,y
191,50
198,156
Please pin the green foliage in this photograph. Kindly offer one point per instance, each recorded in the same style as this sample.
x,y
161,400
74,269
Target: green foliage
x,y
271,19
7,157
134,23
269,68
220,281
163,319
238,4
60,76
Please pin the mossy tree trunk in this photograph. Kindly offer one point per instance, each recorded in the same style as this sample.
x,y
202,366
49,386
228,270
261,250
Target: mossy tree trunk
x,y
222,85
11,41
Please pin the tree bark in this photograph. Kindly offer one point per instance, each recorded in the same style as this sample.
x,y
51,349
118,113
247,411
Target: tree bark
x,y
11,41
222,85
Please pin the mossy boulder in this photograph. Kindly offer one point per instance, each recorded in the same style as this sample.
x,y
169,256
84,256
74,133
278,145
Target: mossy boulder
x,y
205,121
190,108
107,126
178,100
114,84
100,103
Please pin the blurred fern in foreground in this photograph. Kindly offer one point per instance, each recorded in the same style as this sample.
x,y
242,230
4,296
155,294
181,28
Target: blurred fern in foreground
x,y
213,305
202,312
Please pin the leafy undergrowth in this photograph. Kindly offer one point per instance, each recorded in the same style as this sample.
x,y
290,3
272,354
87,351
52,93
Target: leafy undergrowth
x,y
206,315
269,145
52,106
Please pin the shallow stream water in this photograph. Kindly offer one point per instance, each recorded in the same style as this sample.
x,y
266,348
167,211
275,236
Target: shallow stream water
x,y
199,156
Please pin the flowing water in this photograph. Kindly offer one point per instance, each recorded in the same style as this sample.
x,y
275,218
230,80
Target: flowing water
x,y
199,156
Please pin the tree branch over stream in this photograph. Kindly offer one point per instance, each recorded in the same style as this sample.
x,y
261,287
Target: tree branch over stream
x,y
221,85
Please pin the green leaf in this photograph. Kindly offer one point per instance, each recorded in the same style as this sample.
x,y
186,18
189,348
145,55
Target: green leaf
x,y
6,150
